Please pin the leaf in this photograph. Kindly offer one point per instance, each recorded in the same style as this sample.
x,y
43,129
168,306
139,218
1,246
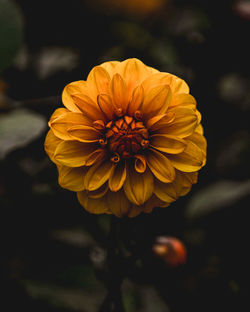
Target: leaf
x,y
216,196
11,32
19,128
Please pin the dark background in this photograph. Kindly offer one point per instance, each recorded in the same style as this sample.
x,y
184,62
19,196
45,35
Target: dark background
x,y
52,251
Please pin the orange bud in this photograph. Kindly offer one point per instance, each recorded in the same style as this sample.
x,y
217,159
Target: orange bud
x,y
171,250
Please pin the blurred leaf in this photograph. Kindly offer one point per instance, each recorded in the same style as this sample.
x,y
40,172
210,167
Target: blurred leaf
x,y
132,35
52,60
142,298
11,32
74,237
80,276
187,20
18,129
72,299
217,196
164,53
233,155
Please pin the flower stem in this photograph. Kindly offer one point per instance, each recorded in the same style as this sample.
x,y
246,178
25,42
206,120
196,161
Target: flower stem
x,y
113,301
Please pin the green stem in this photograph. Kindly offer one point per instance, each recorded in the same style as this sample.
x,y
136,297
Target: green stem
x,y
113,301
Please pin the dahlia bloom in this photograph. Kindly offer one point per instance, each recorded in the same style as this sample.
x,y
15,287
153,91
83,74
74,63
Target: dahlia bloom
x,y
129,139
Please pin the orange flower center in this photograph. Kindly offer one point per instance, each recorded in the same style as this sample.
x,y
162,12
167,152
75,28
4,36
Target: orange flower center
x,y
126,137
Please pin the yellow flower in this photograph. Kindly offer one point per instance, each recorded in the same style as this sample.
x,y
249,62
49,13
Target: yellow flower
x,y
129,139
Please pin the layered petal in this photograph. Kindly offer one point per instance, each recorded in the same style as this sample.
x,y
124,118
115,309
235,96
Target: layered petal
x,y
98,174
118,203
71,178
73,153
98,82
93,205
119,93
63,122
183,99
85,134
138,187
110,67
136,100
76,87
156,101
133,72
200,141
183,125
100,192
169,192
140,163
88,107
160,166
160,121
50,145
59,112
106,105
176,84
117,177
190,160
167,143
152,203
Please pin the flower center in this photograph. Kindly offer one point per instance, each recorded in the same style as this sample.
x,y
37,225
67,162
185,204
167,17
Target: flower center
x,y
126,137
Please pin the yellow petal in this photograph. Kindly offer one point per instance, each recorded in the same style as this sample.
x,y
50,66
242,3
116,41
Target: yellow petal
x,y
192,177
152,203
96,156
200,141
98,82
190,160
138,187
136,100
99,192
76,87
89,108
165,191
176,84
133,71
159,121
98,174
183,99
167,143
199,129
184,123
181,185
84,133
50,145
106,105
118,203
62,123
135,210
117,177
73,153
140,163
93,205
156,101
59,112
119,93
71,178
160,166
110,67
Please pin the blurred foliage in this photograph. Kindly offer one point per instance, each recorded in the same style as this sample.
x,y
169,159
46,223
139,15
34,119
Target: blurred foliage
x,y
11,32
53,252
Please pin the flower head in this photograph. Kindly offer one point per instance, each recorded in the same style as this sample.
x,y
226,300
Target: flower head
x,y
129,139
